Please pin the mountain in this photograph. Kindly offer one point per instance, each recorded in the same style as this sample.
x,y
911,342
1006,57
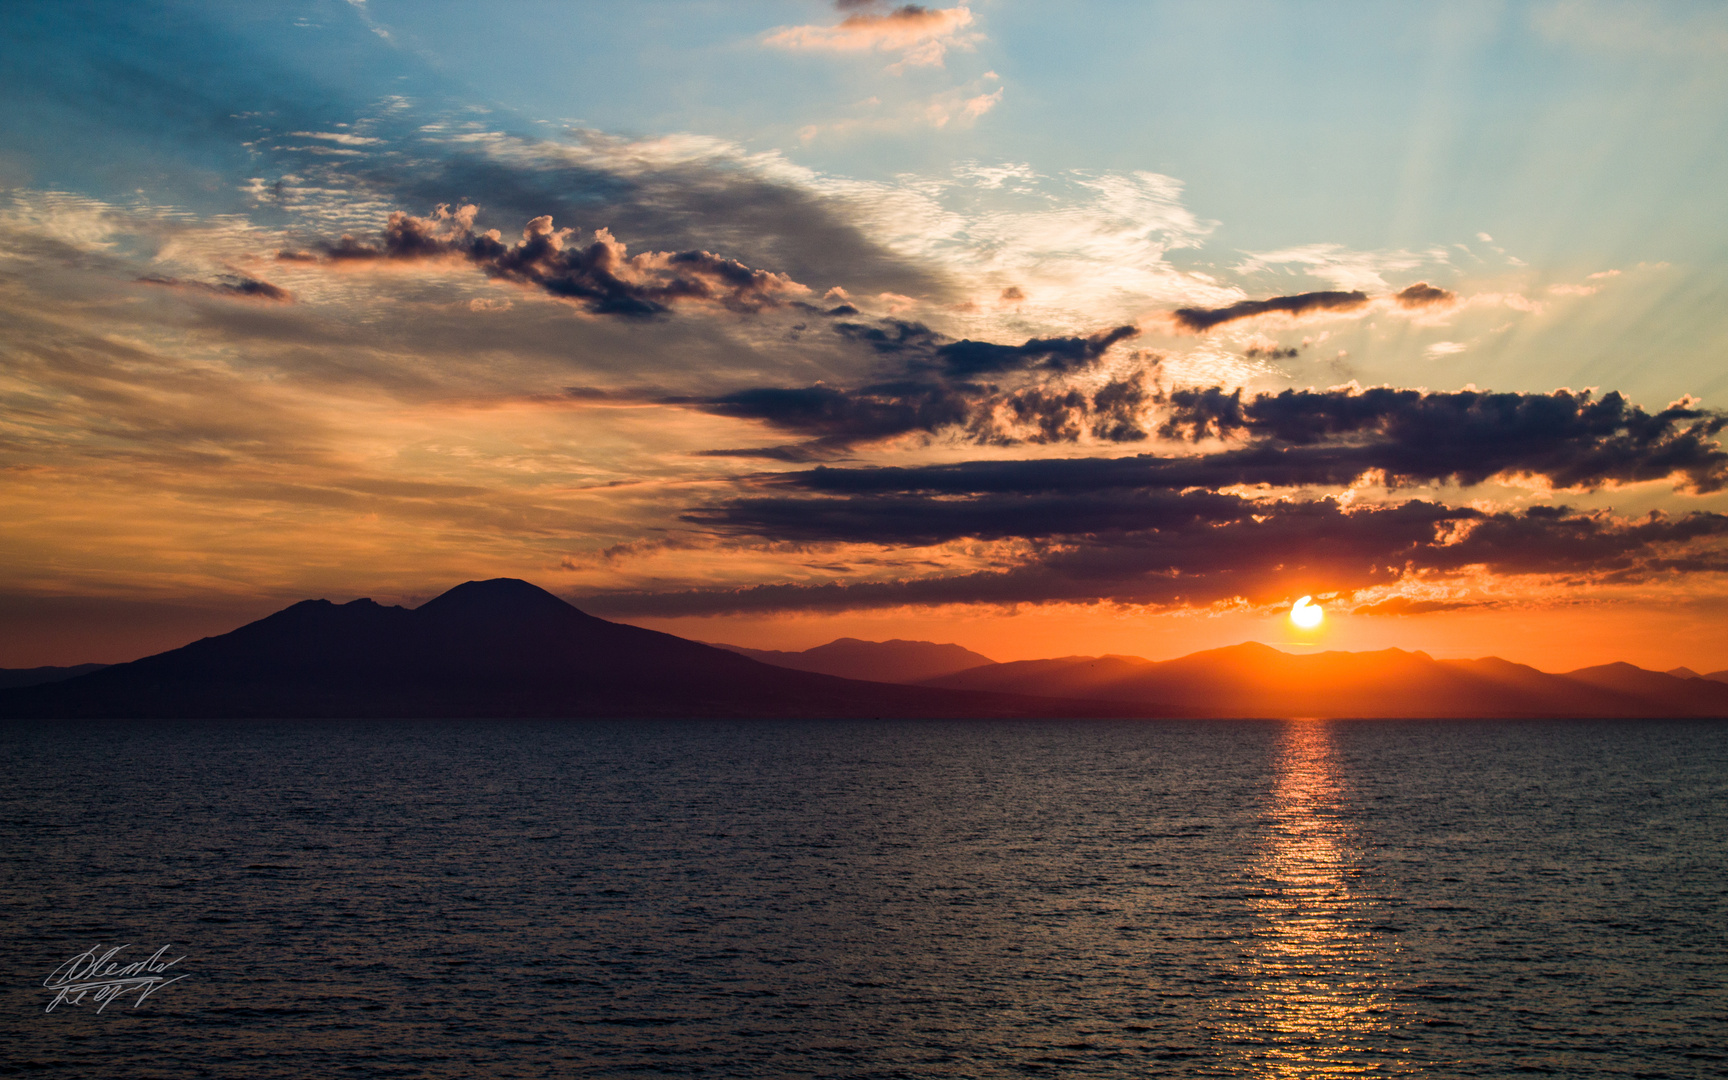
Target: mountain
x,y
499,648
1695,696
35,676
1717,676
1256,680
505,648
894,661
1683,673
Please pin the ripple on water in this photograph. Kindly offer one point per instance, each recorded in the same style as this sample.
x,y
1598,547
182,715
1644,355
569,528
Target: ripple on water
x,y
1296,899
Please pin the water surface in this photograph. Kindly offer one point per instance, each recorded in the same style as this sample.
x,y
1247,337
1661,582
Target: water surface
x,y
887,899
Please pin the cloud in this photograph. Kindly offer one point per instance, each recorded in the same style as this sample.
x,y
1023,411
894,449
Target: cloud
x,y
1572,440
1084,246
1422,295
237,285
597,275
1444,348
905,519
1344,268
967,358
921,35
1200,320
952,109
936,390
1404,605
1307,440
833,420
341,138
922,347
1195,552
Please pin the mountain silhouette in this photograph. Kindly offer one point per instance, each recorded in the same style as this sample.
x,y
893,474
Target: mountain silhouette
x,y
505,648
894,661
36,676
1257,680
500,648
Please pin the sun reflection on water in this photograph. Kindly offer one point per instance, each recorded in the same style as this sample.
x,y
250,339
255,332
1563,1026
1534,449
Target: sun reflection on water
x,y
1310,994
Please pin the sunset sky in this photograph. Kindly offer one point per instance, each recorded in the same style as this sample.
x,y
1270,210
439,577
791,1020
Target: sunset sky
x,y
1045,329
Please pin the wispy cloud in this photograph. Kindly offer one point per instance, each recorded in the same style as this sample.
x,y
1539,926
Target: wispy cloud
x,y
953,109
341,137
1346,269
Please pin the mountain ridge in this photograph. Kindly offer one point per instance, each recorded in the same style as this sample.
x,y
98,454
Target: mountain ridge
x,y
895,660
499,648
1253,679
506,648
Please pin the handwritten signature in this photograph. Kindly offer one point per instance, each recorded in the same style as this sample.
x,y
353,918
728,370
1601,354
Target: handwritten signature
x,y
103,975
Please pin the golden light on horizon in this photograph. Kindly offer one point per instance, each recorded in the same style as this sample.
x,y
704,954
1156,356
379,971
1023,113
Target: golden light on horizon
x,y
1307,614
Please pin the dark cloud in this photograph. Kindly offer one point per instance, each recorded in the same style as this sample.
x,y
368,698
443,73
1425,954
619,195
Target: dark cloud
x,y
1296,438
839,418
934,388
1207,553
1423,294
1272,352
891,336
236,285
1273,466
832,420
1013,292
923,347
1200,320
969,358
907,519
1574,440
598,275
1161,529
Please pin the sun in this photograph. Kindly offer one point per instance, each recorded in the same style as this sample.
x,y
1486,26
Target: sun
x,y
1306,613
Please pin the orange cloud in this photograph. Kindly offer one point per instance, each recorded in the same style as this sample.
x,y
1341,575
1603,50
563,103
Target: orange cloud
x,y
923,35
1422,295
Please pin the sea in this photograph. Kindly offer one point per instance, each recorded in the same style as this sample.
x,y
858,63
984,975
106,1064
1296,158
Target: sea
x,y
1296,898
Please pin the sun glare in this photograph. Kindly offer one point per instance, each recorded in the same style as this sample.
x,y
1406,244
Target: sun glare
x,y
1306,613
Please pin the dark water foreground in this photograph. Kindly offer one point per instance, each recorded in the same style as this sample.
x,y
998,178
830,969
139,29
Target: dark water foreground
x,y
480,899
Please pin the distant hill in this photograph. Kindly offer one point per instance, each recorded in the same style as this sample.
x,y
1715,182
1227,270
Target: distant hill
x,y
893,661
36,676
1256,680
505,648
498,648
1718,676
